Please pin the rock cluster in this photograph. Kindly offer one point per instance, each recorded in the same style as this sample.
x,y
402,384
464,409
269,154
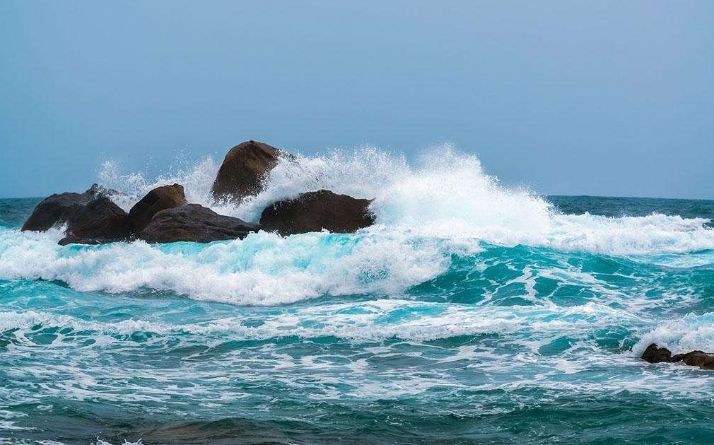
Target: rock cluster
x,y
655,354
164,215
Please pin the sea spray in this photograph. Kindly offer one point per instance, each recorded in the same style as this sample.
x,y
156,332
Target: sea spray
x,y
444,194
470,308
426,214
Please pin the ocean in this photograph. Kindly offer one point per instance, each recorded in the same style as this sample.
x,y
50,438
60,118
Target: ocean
x,y
471,312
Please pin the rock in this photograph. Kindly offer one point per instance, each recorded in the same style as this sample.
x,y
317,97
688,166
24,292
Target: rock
x,y
243,170
653,354
57,209
160,198
314,211
696,358
195,223
97,190
99,221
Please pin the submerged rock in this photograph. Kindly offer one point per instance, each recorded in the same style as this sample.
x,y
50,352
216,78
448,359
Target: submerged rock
x,y
99,221
57,209
314,211
243,170
654,354
158,199
696,358
195,223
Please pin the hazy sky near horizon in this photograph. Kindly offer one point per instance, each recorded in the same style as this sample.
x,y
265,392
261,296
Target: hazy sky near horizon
x,y
565,97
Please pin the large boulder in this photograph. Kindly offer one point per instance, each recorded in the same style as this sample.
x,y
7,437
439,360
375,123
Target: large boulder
x,y
314,211
99,221
243,170
160,198
57,209
195,223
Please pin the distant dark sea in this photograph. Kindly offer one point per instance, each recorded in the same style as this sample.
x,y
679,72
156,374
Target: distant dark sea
x,y
619,207
489,318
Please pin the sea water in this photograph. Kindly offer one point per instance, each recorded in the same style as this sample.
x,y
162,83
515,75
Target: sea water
x,y
469,313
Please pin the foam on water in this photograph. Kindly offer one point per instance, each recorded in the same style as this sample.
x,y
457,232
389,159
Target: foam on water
x,y
468,307
357,322
442,205
263,268
443,194
681,335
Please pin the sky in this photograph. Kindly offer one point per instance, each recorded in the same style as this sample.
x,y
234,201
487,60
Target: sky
x,y
572,97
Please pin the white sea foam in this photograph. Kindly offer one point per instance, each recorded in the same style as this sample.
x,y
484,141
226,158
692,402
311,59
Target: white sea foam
x,y
680,335
264,268
443,204
443,194
510,353
371,321
197,180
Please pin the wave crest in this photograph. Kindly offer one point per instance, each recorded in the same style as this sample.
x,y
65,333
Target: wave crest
x,y
429,214
444,194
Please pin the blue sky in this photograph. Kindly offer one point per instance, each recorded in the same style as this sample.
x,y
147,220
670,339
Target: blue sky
x,y
566,97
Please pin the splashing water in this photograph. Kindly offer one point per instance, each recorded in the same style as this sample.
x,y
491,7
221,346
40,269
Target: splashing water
x,y
446,195
470,312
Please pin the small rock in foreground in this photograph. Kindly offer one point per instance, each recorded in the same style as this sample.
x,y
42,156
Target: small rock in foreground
x,y
655,354
696,358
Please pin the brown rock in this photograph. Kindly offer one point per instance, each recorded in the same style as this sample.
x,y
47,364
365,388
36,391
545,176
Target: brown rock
x,y
696,358
243,169
653,354
160,198
196,223
314,211
100,221
57,209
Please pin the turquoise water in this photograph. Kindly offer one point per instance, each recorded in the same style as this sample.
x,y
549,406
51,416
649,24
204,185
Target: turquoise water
x,y
436,332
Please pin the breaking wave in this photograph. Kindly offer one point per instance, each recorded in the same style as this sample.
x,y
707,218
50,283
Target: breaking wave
x,y
429,214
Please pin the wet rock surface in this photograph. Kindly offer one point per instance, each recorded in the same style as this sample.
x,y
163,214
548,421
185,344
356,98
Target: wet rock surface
x,y
164,215
57,209
99,221
243,170
655,354
315,211
195,223
158,199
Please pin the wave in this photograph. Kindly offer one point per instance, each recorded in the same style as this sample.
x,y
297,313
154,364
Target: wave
x,y
267,269
359,322
444,194
263,268
429,215
681,335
